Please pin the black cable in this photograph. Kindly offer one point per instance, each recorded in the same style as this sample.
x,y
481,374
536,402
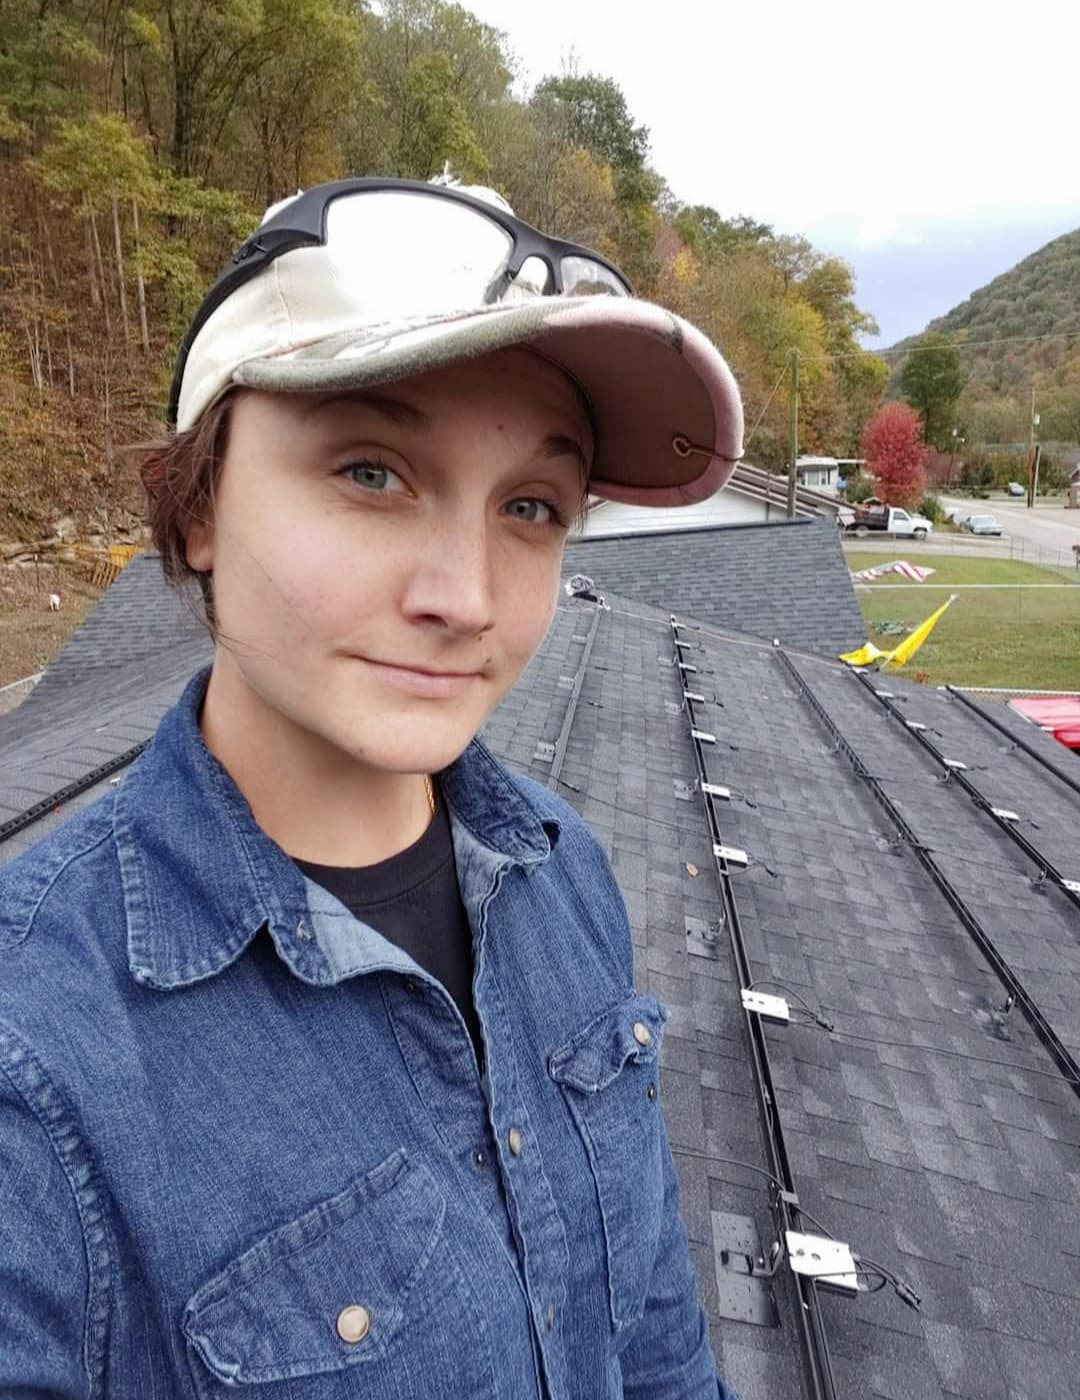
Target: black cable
x,y
783,986
959,1055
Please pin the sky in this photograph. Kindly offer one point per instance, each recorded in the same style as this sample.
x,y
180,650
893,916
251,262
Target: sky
x,y
930,144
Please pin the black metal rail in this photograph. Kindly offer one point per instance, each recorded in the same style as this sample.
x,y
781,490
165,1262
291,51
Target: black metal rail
x,y
1070,888
817,1363
1030,749
575,696
14,825
1022,998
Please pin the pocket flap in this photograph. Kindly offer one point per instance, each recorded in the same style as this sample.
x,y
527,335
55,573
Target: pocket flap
x,y
631,1031
272,1313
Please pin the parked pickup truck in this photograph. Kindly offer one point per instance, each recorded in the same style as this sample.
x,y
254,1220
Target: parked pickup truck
x,y
887,520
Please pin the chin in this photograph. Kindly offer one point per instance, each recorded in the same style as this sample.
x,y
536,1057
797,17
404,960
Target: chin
x,y
405,744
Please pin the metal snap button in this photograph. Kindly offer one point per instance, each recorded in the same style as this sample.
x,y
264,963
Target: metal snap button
x,y
409,985
514,1139
650,1092
353,1323
642,1034
479,1158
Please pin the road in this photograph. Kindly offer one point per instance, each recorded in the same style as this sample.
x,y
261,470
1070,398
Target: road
x,y
1044,535
1049,529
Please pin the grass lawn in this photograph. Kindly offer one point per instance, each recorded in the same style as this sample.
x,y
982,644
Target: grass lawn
x,y
989,636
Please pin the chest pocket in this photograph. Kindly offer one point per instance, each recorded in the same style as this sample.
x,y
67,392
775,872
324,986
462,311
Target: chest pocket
x,y
609,1073
361,1285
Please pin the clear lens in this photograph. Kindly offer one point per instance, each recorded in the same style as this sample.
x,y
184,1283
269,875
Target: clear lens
x,y
581,277
534,279
401,254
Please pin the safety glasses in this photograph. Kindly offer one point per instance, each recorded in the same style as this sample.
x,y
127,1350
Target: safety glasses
x,y
413,252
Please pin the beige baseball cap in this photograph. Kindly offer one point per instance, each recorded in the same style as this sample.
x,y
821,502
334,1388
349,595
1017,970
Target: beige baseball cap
x,y
365,282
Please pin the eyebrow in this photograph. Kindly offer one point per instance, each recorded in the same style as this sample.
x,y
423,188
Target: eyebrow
x,y
406,415
559,445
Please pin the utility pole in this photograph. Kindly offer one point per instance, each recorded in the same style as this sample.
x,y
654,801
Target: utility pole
x,y
794,434
1033,454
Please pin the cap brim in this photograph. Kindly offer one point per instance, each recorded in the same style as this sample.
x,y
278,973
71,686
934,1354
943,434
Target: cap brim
x,y
655,383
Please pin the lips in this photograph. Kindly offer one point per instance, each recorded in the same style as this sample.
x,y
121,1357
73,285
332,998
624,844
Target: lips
x,y
421,670
421,682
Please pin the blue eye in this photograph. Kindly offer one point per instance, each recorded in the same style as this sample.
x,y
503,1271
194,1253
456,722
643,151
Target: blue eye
x,y
374,476
534,511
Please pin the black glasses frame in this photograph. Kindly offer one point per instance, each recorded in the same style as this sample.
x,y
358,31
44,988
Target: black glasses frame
x,y
302,223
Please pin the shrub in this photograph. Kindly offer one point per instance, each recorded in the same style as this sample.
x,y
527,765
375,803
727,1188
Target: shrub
x,y
931,507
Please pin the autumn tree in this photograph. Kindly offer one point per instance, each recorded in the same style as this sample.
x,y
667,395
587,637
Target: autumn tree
x,y
893,447
931,381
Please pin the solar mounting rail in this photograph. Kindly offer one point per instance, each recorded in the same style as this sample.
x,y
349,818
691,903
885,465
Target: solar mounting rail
x,y
572,705
1070,888
987,718
817,1362
1022,998
63,795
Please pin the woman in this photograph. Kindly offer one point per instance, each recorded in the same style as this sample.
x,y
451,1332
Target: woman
x,y
323,1074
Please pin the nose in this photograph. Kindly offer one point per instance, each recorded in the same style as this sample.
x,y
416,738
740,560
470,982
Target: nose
x,y
452,583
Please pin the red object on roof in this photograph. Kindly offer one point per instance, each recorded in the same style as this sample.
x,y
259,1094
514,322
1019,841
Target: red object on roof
x,y
1058,715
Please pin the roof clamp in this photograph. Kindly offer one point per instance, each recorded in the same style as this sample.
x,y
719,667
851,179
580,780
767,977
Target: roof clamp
x,y
671,707
686,667
829,1263
1004,815
1073,886
955,764
544,753
716,790
703,936
884,694
731,854
684,791
566,682
693,695
702,736
769,1008
913,724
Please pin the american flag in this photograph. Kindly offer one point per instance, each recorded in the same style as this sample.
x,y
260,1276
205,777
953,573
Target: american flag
x,y
916,572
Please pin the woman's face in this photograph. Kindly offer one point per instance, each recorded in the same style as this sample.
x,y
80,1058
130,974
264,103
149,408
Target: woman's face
x,y
386,561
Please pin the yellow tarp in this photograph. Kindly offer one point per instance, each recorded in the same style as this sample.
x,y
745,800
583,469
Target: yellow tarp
x,y
869,653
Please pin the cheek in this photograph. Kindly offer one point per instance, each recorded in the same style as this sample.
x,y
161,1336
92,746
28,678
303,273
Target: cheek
x,y
531,594
276,571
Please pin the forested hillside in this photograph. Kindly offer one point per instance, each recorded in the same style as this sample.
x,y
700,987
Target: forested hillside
x,y
1021,332
139,141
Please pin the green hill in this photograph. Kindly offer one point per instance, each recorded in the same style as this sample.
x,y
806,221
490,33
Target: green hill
x,y
1019,333
1039,297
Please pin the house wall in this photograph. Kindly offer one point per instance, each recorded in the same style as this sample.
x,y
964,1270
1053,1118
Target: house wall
x,y
727,507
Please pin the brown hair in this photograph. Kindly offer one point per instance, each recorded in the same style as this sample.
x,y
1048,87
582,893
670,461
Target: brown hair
x,y
180,473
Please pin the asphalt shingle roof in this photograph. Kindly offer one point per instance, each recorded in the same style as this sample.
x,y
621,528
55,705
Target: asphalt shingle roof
x,y
785,579
930,1129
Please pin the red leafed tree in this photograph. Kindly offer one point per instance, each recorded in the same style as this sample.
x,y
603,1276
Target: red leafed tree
x,y
893,447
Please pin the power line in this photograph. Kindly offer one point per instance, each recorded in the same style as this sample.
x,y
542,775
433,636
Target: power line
x,y
951,345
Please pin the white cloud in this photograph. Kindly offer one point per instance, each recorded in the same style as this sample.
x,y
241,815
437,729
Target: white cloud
x,y
837,113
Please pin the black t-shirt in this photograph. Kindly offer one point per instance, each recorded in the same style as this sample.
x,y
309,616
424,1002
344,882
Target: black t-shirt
x,y
413,900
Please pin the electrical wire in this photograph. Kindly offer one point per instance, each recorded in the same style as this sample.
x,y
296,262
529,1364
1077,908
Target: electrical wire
x,y
761,415
952,345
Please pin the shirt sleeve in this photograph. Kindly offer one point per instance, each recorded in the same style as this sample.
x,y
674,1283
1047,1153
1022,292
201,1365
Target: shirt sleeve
x,y
43,1260
668,1356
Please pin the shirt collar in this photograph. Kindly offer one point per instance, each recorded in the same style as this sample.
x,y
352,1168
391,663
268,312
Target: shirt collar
x,y
201,878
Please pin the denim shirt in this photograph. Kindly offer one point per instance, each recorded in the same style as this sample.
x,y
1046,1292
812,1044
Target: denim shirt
x,y
245,1149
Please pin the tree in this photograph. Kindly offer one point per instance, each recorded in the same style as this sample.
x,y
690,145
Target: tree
x,y
708,235
893,447
932,380
596,118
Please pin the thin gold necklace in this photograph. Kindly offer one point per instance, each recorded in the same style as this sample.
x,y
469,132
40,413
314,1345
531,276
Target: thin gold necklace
x,y
430,790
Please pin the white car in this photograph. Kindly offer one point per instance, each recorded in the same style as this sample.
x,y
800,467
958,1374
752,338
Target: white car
x,y
982,525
